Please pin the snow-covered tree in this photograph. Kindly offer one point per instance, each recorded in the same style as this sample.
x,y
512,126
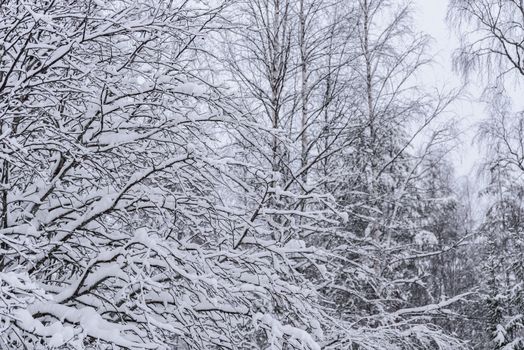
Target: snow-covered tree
x,y
376,275
501,230
122,225
232,174
356,92
492,46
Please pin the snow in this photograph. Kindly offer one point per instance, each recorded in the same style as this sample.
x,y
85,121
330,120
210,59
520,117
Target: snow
x,y
425,238
88,319
279,330
190,89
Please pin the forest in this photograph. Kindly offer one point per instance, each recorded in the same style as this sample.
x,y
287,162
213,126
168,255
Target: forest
x,y
257,174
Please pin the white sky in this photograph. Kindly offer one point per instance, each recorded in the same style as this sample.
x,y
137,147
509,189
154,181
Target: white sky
x,y
430,17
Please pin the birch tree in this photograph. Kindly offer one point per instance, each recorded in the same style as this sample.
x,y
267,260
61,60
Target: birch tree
x,y
493,44
377,272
